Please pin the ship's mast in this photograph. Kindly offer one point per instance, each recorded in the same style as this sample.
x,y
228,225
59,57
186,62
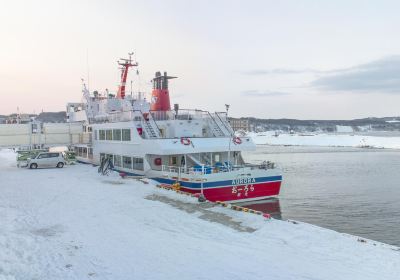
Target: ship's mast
x,y
125,63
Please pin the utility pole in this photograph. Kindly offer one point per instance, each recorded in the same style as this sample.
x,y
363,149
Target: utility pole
x,y
230,139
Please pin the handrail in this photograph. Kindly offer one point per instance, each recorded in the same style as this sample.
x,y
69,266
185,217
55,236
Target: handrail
x,y
230,130
206,170
153,121
212,118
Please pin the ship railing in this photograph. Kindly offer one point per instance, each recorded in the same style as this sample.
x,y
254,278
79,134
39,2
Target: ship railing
x,y
181,114
177,171
113,117
162,115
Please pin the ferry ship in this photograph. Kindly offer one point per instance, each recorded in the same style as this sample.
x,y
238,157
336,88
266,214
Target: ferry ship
x,y
193,148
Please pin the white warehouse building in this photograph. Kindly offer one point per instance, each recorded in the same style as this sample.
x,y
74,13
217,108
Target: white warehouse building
x,y
37,134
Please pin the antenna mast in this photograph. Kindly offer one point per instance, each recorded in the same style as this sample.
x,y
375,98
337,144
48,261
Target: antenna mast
x,y
125,63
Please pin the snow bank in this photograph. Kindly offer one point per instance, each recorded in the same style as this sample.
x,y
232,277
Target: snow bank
x,y
72,223
344,129
333,140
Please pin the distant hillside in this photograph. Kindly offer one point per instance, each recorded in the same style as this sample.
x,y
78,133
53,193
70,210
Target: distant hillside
x,y
377,124
52,117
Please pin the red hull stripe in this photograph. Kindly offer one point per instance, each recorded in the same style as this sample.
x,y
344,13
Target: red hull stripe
x,y
241,192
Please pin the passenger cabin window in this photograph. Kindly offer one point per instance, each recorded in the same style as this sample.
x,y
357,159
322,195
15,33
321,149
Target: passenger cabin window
x,y
126,135
43,156
117,161
174,160
117,134
108,134
102,135
138,163
127,162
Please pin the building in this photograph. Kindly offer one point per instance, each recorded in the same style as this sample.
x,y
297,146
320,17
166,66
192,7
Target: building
x,y
240,124
19,118
37,134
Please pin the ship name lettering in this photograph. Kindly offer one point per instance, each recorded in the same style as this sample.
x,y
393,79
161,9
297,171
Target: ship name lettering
x,y
243,181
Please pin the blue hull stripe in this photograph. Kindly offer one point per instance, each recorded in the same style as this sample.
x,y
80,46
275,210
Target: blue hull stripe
x,y
114,169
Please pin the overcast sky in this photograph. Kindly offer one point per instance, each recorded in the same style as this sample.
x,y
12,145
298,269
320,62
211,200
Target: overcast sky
x,y
271,59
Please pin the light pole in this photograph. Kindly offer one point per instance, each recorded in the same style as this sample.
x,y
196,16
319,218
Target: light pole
x,y
230,139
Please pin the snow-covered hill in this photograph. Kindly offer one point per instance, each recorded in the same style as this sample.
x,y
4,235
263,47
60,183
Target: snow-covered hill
x,y
333,140
72,223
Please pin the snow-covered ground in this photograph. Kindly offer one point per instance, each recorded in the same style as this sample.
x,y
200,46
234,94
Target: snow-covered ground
x,y
72,223
332,140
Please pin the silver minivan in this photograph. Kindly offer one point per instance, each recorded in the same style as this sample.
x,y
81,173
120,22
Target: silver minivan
x,y
47,159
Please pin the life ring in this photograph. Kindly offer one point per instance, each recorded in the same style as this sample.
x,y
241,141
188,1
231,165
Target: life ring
x,y
157,161
237,140
185,141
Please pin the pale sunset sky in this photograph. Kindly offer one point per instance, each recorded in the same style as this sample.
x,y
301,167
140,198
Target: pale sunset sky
x,y
304,59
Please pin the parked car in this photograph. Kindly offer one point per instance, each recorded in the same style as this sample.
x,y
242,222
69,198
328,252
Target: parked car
x,y
47,159
24,155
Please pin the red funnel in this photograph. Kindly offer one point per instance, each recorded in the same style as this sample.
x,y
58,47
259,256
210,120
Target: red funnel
x,y
160,94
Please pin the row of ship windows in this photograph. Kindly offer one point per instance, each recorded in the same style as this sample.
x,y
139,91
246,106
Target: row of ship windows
x,y
113,134
125,161
84,152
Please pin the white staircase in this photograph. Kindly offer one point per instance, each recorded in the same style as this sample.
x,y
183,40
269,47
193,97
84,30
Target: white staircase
x,y
216,129
149,125
224,124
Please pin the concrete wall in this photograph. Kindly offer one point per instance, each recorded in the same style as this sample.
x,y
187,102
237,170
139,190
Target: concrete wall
x,y
13,135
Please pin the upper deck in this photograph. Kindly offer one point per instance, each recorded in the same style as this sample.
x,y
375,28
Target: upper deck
x,y
173,124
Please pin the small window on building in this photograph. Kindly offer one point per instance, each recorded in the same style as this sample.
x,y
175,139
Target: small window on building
x,y
117,161
117,134
102,135
89,129
138,163
127,162
126,135
108,134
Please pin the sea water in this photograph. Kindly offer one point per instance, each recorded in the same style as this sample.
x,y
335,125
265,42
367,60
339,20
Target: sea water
x,y
350,190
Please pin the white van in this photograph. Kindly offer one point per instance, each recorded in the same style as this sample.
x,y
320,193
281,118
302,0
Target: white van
x,y
47,159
